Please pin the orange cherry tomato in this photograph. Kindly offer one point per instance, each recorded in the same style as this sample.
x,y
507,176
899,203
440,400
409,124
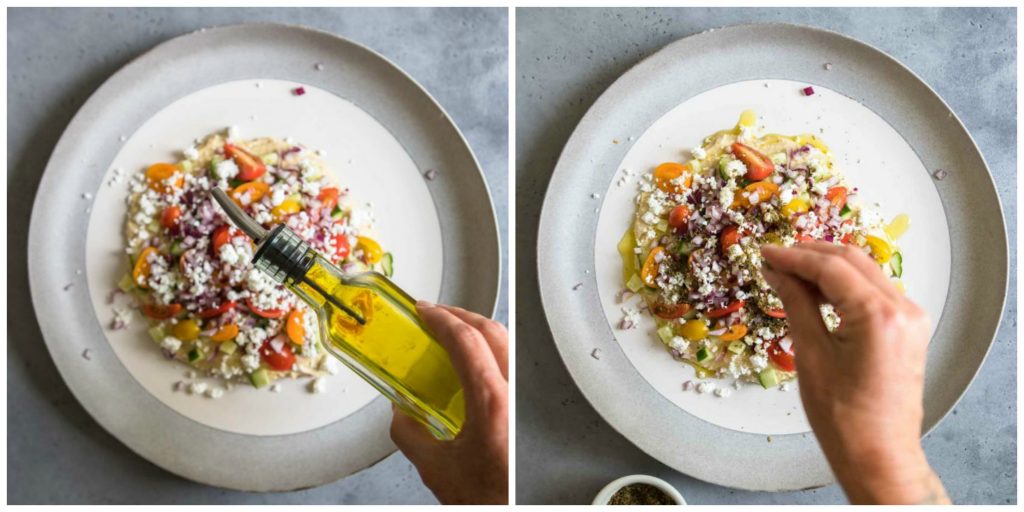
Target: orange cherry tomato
x,y
157,175
763,189
255,189
140,273
734,333
171,216
679,216
776,313
225,333
758,165
729,237
666,173
731,308
782,359
295,328
671,311
160,311
837,196
650,269
328,198
249,167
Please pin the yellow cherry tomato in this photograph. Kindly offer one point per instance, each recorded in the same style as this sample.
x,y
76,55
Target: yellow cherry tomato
x,y
797,205
286,208
649,272
880,249
157,174
372,252
186,330
694,330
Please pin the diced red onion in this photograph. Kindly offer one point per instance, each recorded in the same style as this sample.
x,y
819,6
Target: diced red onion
x,y
718,332
299,91
808,91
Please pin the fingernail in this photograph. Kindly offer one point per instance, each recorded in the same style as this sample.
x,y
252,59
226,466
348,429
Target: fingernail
x,y
423,304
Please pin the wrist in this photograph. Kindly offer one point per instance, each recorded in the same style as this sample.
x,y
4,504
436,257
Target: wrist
x,y
888,474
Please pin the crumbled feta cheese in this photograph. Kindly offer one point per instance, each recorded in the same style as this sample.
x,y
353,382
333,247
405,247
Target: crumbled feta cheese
x,y
191,153
698,153
735,169
705,387
170,344
318,385
722,392
227,169
276,388
214,393
197,388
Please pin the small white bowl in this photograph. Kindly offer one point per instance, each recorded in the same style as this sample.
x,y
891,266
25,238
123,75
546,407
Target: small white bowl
x,y
609,490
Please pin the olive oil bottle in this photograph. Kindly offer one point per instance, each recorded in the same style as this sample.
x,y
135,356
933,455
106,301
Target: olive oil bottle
x,y
367,322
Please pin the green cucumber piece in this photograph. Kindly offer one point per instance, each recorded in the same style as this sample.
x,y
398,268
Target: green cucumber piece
x,y
194,355
259,378
661,226
896,263
665,333
271,158
723,162
235,182
387,263
635,284
337,213
126,284
846,212
157,333
228,347
177,247
737,347
704,355
186,166
684,248
768,378
214,162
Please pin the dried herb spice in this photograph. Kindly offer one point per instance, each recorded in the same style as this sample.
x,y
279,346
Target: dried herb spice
x,y
641,494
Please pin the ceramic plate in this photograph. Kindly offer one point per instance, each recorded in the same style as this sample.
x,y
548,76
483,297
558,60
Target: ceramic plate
x,y
379,132
889,132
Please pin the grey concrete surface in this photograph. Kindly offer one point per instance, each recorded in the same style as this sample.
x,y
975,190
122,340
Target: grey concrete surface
x,y
56,59
565,58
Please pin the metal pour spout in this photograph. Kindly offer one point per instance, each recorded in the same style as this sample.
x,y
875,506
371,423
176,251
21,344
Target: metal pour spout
x,y
238,216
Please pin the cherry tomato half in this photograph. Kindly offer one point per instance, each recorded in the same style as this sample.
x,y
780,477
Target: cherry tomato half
x,y
729,237
758,165
671,311
782,359
161,311
224,307
249,167
837,196
171,216
731,308
328,198
678,217
265,313
280,360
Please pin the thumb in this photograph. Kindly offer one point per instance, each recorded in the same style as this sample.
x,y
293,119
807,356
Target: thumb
x,y
409,435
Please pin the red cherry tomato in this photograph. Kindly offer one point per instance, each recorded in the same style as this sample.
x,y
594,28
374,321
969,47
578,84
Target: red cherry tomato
x,y
224,307
249,167
160,311
758,165
679,216
837,196
171,216
220,236
280,360
731,308
671,311
803,237
776,313
328,198
782,359
265,313
729,237
342,247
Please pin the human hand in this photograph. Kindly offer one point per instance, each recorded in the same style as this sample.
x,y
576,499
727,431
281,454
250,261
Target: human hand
x,y
473,467
862,386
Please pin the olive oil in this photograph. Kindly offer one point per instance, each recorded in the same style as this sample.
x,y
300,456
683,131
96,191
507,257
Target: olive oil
x,y
367,322
391,349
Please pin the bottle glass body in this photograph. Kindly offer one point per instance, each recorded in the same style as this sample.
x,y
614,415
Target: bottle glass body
x,y
392,350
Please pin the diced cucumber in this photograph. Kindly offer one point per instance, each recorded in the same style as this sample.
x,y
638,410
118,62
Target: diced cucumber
x,y
779,158
704,355
635,284
259,378
177,247
153,226
228,347
737,347
846,212
684,248
387,263
661,226
157,333
723,163
186,166
768,378
126,284
271,158
694,166
214,162
896,262
665,333
194,355
337,213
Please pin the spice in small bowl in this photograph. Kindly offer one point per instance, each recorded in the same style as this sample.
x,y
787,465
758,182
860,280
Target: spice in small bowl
x,y
641,494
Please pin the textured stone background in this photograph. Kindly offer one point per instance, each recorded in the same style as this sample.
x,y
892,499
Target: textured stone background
x,y
565,59
56,59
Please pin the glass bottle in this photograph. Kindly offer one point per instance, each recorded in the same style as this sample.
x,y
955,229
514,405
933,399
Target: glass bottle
x,y
367,322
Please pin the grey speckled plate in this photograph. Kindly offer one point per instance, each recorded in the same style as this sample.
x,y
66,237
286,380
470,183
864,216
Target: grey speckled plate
x,y
177,69
701,63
